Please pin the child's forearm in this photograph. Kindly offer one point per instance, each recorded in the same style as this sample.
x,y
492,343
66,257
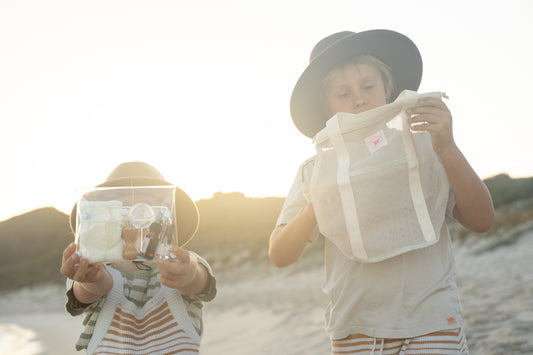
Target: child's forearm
x,y
474,208
287,242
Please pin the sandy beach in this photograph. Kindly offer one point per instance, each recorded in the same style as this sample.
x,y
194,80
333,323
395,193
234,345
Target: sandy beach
x,y
275,311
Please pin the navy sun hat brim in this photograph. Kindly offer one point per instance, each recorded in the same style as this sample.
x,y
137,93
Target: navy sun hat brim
x,y
394,49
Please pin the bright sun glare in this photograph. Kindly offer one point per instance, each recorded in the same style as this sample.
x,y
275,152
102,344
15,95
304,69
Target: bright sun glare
x,y
201,91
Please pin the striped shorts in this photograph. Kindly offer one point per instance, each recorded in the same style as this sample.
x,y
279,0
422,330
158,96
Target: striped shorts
x,y
444,342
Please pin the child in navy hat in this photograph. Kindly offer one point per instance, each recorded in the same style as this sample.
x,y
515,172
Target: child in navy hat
x,y
409,301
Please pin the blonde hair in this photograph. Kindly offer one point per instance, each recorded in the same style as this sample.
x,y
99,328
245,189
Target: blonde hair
x,y
384,70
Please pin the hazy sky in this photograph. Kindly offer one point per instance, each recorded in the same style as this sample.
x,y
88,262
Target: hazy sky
x,y
200,89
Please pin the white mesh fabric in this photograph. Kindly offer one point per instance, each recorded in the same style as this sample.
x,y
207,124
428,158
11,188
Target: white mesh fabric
x,y
394,190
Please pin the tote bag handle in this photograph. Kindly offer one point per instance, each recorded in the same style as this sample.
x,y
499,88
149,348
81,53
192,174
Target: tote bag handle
x,y
415,180
345,187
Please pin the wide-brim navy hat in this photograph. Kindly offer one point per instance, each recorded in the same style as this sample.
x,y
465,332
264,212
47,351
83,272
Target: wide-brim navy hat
x,y
137,173
394,49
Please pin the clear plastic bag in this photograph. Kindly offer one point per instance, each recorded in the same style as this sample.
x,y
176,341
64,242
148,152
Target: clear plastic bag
x,y
378,189
134,223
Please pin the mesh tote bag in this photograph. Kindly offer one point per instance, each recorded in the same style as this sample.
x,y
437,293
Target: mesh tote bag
x,y
378,189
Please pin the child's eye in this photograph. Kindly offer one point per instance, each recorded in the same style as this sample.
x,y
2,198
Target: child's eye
x,y
343,95
369,87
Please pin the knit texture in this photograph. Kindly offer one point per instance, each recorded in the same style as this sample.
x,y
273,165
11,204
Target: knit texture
x,y
140,287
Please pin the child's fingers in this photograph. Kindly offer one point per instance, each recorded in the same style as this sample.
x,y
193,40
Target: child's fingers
x,y
70,260
175,269
170,268
181,254
428,115
69,250
92,273
417,111
80,273
178,274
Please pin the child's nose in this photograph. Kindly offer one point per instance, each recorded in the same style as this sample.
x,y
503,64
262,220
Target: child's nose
x,y
358,101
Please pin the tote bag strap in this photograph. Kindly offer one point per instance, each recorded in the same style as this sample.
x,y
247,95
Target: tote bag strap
x,y
415,180
345,187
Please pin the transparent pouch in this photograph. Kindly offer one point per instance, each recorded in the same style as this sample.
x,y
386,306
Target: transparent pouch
x,y
135,223
378,189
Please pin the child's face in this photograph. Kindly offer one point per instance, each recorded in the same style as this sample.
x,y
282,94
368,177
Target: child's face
x,y
354,88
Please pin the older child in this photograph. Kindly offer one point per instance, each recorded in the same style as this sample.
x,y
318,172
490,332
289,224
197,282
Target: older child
x,y
156,308
408,301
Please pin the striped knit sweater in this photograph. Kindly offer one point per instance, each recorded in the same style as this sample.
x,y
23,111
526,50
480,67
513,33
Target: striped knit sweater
x,y
139,297
161,326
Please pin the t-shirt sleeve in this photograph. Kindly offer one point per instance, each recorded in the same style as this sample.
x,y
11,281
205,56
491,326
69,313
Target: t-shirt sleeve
x,y
296,200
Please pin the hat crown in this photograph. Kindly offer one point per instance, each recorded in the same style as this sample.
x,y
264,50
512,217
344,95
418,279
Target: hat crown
x,y
327,42
135,169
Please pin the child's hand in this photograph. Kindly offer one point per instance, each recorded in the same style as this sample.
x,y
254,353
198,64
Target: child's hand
x,y
433,116
179,274
78,269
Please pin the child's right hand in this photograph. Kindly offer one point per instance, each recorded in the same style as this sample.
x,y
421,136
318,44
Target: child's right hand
x,y
79,269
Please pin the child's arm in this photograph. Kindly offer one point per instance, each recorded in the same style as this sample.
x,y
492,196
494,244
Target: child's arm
x,y
474,208
288,241
186,275
90,281
473,203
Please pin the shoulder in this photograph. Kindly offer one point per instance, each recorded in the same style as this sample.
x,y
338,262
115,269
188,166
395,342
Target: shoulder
x,y
307,169
304,171
307,164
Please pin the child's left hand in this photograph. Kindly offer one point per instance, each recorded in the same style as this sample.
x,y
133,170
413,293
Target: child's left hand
x,y
433,116
178,274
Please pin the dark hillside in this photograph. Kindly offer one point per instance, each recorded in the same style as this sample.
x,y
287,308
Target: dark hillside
x,y
31,246
505,189
233,232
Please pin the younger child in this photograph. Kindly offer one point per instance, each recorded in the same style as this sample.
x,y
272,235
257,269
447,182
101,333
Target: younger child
x,y
409,301
132,308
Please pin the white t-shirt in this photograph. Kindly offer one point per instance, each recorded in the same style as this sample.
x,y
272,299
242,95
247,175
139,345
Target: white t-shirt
x,y
402,297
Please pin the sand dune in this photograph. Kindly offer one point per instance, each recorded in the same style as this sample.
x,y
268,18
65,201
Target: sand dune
x,y
281,311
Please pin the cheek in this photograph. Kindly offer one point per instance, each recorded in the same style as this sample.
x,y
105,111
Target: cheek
x,y
379,99
329,106
335,106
